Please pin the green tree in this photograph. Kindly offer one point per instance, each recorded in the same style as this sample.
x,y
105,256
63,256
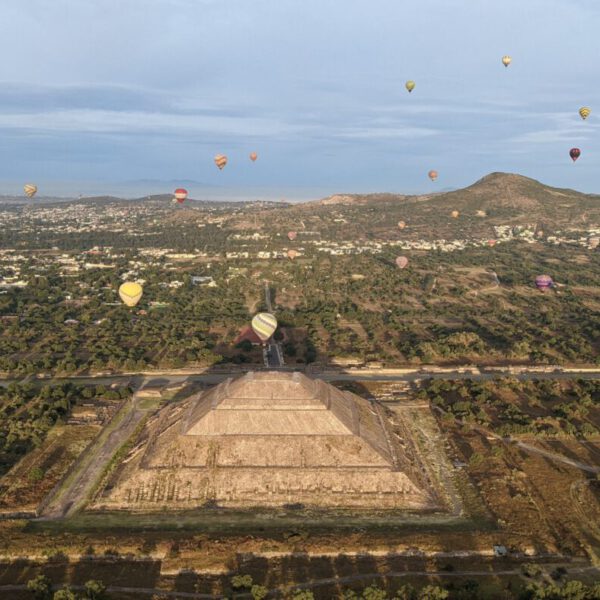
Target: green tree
x,y
41,587
406,592
259,592
433,592
373,592
95,590
302,595
65,594
35,474
241,581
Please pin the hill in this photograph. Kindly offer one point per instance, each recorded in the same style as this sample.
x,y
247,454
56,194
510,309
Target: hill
x,y
496,199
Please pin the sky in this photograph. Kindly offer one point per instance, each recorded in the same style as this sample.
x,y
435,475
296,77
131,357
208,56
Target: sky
x,y
136,96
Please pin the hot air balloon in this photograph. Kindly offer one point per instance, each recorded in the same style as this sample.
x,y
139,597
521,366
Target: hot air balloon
x,y
491,243
253,156
594,242
401,224
481,213
543,282
574,153
454,214
130,292
292,235
584,112
410,85
264,325
180,195
220,160
30,190
433,175
402,262
506,60
292,254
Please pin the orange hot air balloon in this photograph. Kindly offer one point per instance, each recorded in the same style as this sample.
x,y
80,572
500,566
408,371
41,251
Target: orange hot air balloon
x,y
401,224
253,156
292,235
292,254
433,175
220,161
454,214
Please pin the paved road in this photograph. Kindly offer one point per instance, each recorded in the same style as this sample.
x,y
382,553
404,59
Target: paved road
x,y
206,376
273,353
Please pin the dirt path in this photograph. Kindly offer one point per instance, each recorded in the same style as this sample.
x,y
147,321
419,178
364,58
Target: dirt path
x,y
76,489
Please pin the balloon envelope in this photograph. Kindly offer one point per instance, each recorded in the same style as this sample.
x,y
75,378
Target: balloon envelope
x,y
594,242
584,112
130,292
30,190
180,195
574,153
264,325
454,214
292,235
543,282
506,60
402,262
401,224
433,175
220,160
292,254
410,85
253,156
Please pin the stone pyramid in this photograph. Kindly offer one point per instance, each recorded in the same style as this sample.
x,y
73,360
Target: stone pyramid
x,y
269,439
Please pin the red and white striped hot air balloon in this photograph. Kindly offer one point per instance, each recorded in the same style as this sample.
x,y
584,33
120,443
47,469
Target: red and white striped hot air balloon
x,y
180,195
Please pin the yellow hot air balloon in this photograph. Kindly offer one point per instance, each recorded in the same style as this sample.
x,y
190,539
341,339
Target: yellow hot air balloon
x,y
410,85
130,292
454,214
264,325
506,60
584,112
220,160
30,190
